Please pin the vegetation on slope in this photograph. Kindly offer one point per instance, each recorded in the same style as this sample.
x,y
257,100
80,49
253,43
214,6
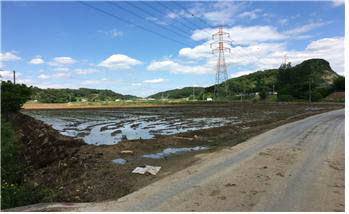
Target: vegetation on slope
x,y
74,95
291,83
312,77
186,92
14,190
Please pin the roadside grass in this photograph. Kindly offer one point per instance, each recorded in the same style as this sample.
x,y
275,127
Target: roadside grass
x,y
14,191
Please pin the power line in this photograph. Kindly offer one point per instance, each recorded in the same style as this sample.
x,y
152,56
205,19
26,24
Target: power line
x,y
151,15
199,18
131,23
161,12
140,17
178,5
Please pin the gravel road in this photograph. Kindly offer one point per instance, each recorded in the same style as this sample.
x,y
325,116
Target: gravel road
x,y
296,167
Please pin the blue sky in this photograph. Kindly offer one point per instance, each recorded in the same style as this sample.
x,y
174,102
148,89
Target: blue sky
x,y
70,45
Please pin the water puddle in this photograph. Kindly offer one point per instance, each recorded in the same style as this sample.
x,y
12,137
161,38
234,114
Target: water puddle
x,y
173,151
113,126
119,161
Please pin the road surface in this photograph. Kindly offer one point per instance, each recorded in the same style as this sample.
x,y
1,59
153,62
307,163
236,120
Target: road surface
x,y
295,167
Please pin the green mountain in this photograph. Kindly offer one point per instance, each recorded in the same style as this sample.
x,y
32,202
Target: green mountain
x,y
178,93
72,95
288,80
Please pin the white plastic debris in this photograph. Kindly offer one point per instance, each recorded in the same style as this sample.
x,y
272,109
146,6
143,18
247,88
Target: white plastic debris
x,y
150,169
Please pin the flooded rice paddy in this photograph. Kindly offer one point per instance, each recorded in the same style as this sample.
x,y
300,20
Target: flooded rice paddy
x,y
113,126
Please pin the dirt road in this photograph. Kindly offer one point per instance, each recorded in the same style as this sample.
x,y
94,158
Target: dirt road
x,y
295,167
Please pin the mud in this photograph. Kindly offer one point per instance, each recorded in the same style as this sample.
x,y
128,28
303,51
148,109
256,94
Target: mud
x,y
81,172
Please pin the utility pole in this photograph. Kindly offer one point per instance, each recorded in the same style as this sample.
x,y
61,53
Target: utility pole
x,y
285,62
193,93
14,77
221,72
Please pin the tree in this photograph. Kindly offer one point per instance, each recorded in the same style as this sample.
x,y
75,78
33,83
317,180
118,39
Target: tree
x,y
339,84
263,94
13,96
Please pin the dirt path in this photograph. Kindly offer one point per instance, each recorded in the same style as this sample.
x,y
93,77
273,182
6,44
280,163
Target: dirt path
x,y
295,167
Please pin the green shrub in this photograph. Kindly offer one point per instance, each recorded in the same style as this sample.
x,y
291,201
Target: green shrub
x,y
13,96
339,84
263,94
285,98
316,96
14,192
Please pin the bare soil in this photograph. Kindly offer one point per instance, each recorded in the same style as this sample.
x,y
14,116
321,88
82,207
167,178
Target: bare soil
x,y
79,172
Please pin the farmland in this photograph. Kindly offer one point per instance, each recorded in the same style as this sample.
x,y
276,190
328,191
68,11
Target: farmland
x,y
97,170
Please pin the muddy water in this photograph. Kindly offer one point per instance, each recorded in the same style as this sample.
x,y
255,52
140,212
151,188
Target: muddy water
x,y
113,126
173,151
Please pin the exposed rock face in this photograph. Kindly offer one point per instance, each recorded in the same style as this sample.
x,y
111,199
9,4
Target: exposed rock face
x,y
321,68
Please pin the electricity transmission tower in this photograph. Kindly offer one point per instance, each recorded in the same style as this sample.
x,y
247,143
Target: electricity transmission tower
x,y
220,39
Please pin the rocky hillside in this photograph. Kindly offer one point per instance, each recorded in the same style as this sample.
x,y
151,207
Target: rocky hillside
x,y
319,70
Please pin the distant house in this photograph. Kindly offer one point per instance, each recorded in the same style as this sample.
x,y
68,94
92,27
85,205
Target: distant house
x,y
117,100
83,100
209,99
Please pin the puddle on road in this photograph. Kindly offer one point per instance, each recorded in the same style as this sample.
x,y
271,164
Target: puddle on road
x,y
119,161
112,126
172,151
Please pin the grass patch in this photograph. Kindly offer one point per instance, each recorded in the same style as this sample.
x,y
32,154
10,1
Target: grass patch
x,y
14,191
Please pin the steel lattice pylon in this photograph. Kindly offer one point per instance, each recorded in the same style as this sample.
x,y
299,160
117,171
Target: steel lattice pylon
x,y
221,72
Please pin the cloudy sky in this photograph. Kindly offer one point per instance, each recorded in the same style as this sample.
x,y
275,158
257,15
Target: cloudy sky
x,y
142,48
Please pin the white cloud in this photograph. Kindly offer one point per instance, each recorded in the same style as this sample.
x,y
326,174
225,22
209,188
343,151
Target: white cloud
x,y
36,60
283,21
156,20
200,51
160,80
217,13
330,49
136,84
99,81
61,75
85,71
62,61
119,61
241,73
305,28
9,56
61,69
24,81
244,35
222,12
337,3
259,33
58,75
6,74
250,14
113,33
257,56
44,76
174,67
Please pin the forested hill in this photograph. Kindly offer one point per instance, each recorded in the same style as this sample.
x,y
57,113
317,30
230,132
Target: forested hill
x,y
178,93
318,71
73,95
